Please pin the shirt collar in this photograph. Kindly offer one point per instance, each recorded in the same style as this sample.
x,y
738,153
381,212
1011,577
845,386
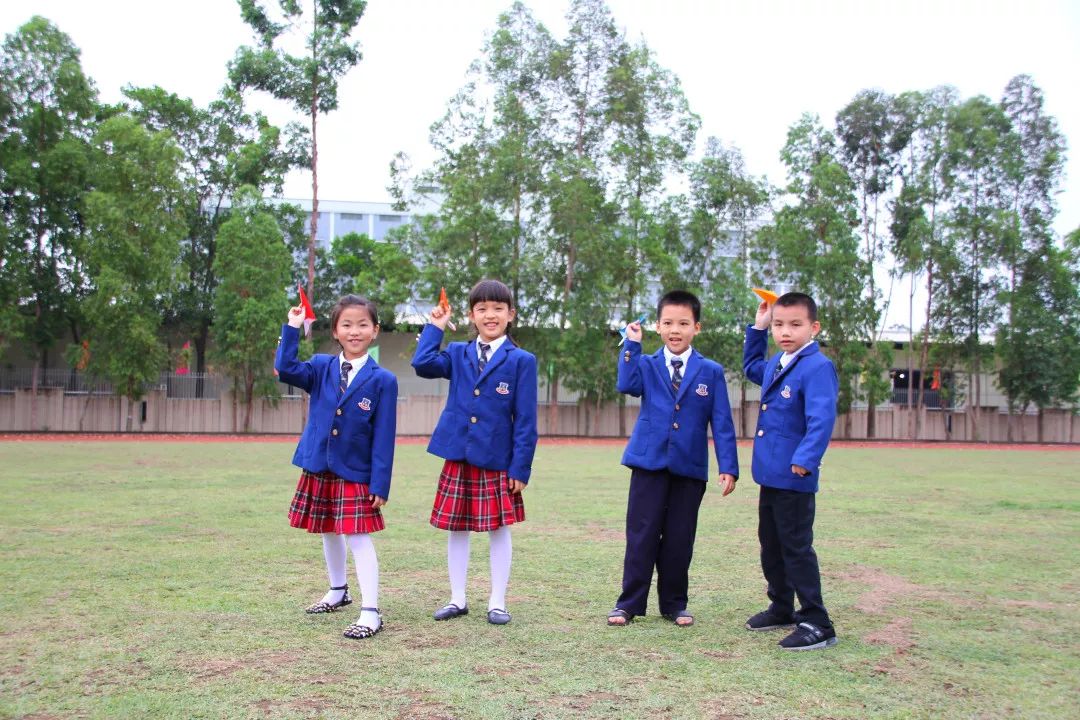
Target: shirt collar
x,y
357,363
684,356
788,357
495,345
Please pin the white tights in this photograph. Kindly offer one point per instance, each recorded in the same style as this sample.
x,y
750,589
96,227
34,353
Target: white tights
x,y
367,571
457,556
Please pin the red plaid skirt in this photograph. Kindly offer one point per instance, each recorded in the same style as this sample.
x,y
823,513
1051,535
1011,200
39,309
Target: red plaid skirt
x,y
472,498
325,503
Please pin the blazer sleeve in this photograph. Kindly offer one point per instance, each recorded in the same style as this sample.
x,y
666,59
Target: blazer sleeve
x,y
723,430
428,360
629,380
753,354
290,369
820,406
383,435
525,433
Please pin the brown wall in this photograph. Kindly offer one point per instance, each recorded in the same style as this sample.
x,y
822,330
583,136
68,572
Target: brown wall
x,y
57,411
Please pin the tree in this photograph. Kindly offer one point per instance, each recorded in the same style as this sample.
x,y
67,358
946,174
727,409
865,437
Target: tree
x,y
134,223
252,265
1032,261
380,271
309,82
224,148
50,108
814,246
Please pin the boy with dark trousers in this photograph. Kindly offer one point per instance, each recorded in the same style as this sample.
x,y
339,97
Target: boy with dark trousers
x,y
798,410
682,393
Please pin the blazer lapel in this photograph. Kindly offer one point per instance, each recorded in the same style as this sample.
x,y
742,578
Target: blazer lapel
x,y
473,357
660,362
693,367
495,360
362,376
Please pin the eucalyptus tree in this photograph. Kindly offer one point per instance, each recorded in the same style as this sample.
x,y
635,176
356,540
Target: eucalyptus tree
x,y
815,247
50,116
865,132
308,81
981,158
1033,263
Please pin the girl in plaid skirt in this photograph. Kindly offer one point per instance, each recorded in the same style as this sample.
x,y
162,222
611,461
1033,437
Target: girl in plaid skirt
x,y
487,436
346,452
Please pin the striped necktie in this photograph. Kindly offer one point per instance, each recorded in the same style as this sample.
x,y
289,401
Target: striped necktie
x,y
484,347
676,376
779,369
346,368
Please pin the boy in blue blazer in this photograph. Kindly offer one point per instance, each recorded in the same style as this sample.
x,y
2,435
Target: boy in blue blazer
x,y
682,393
798,410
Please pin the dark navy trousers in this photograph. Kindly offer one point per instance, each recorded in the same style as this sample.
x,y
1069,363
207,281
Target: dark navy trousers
x,y
661,523
788,560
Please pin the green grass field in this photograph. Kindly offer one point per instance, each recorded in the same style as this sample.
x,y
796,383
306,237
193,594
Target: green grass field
x,y
162,580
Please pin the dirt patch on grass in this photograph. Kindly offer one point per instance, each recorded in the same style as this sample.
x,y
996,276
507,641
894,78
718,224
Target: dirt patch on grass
x,y
311,706
420,706
1034,604
584,701
882,588
720,655
897,635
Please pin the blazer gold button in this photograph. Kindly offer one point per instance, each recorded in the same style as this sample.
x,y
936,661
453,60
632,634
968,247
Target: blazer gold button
x,y
339,411
764,407
760,433
476,391
472,419
334,431
677,406
675,425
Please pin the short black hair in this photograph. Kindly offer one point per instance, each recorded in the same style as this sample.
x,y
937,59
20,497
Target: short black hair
x,y
680,297
490,291
794,299
352,301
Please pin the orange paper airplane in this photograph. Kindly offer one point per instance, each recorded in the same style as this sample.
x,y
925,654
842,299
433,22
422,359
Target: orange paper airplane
x,y
767,295
445,305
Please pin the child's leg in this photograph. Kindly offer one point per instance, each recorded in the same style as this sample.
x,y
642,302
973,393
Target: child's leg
x,y
795,526
367,576
457,560
334,552
501,554
644,520
677,543
781,594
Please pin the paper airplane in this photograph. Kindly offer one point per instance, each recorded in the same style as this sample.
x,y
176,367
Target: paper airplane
x,y
445,305
767,295
622,332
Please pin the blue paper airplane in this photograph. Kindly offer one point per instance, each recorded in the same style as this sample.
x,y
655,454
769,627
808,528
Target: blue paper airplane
x,y
622,332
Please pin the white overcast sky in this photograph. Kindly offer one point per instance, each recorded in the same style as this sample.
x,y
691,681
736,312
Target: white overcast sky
x,y
749,68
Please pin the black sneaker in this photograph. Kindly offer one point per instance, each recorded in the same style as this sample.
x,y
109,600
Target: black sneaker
x,y
807,636
765,620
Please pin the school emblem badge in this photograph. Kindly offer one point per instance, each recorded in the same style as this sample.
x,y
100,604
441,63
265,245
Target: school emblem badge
x,y
503,389
702,390
364,404
786,392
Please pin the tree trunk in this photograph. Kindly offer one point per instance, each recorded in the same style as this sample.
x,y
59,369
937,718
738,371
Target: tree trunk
x,y
553,406
249,392
1039,424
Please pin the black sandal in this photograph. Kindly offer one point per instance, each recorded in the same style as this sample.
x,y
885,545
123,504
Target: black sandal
x,y
674,617
356,631
325,607
619,613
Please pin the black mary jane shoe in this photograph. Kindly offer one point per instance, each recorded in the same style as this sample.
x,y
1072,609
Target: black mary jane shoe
x,y
356,631
325,607
446,612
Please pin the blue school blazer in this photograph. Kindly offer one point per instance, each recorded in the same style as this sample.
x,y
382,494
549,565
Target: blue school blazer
x,y
671,429
353,436
490,418
797,414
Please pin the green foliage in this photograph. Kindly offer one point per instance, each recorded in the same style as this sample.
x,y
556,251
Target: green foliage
x,y
134,229
48,107
379,271
252,265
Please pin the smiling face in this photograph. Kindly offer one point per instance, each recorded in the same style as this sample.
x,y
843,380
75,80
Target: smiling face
x,y
677,327
491,318
792,327
355,331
